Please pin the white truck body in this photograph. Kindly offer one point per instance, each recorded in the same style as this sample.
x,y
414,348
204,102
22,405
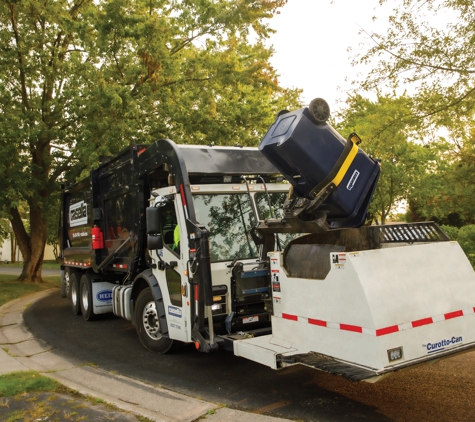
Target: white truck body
x,y
376,310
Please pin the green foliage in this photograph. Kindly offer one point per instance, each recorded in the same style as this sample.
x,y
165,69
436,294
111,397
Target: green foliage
x,y
387,134
449,201
52,220
5,229
428,45
451,231
83,79
465,236
25,382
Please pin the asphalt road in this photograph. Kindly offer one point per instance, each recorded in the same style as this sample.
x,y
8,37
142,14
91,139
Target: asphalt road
x,y
443,391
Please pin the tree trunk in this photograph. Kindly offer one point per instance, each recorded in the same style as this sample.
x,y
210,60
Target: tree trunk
x,y
32,268
12,248
31,246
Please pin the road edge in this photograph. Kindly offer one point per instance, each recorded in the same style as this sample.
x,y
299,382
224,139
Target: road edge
x,y
21,351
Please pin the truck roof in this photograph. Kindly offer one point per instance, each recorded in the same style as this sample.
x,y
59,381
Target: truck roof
x,y
201,159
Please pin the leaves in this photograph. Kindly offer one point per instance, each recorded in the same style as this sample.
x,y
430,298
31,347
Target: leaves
x,y
389,134
428,46
82,79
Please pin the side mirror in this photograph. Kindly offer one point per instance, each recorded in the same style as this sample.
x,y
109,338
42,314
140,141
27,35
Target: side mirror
x,y
154,238
152,216
154,241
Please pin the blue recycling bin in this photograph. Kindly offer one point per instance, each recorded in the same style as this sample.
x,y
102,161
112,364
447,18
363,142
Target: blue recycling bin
x,y
310,152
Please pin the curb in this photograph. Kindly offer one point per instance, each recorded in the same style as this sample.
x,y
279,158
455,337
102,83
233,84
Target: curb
x,y
21,351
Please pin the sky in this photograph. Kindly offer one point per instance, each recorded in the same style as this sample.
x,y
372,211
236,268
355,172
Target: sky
x,y
311,44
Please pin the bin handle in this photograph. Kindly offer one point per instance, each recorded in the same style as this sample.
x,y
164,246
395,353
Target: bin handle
x,y
339,170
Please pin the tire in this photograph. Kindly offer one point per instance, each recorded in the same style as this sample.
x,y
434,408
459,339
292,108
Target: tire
x,y
148,325
65,282
85,298
74,293
319,111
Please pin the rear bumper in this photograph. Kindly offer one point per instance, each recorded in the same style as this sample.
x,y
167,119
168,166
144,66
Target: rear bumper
x,y
355,372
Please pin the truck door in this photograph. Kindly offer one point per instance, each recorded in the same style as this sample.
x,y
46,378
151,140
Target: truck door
x,y
172,277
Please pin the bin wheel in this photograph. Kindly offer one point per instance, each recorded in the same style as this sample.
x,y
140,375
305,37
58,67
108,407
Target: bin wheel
x,y
74,293
282,112
148,324
85,298
319,111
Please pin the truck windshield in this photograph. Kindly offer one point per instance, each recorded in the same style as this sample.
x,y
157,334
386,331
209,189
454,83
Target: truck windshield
x,y
229,219
277,200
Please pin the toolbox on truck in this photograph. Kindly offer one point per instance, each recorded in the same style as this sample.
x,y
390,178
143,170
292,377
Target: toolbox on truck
x,y
312,155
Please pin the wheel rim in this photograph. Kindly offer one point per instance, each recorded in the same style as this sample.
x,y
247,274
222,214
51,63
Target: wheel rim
x,y
74,294
85,298
66,282
320,109
150,321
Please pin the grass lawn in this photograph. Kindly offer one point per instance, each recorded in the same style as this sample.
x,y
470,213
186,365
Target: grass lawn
x,y
11,289
46,264
20,382
30,396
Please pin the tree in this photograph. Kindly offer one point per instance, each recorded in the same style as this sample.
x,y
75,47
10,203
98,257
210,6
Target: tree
x,y
450,201
405,165
429,46
81,79
465,236
428,49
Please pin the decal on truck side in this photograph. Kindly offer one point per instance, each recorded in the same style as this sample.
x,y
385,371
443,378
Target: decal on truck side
x,y
174,311
104,296
275,281
442,344
78,214
80,234
338,260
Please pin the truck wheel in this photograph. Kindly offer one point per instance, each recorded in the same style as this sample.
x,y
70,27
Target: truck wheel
x,y
74,293
65,282
85,298
148,325
319,111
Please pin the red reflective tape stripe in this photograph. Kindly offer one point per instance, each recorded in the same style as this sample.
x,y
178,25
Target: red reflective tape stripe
x,y
454,314
196,292
378,332
291,317
317,322
421,322
182,193
353,328
387,330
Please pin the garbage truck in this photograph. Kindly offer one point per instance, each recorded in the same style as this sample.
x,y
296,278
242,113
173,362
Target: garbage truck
x,y
263,251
